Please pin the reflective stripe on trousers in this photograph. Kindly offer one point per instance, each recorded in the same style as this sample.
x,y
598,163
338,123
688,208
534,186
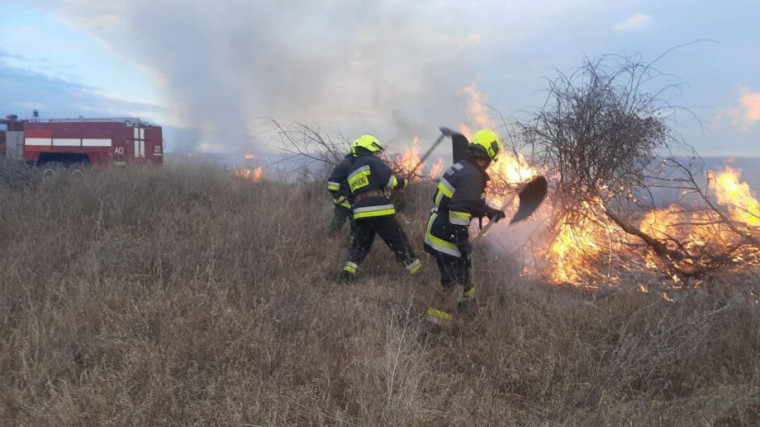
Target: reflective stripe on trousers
x,y
437,243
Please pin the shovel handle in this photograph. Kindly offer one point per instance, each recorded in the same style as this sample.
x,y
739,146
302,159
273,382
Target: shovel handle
x,y
482,232
444,133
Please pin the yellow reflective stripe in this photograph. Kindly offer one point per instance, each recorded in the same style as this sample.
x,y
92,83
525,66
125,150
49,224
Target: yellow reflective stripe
x,y
442,246
351,267
370,211
438,197
459,218
433,215
414,266
359,178
370,214
374,208
439,314
439,244
445,187
467,295
392,182
333,186
343,203
359,170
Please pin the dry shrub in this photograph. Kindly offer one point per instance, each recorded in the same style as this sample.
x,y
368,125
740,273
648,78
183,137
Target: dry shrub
x,y
189,296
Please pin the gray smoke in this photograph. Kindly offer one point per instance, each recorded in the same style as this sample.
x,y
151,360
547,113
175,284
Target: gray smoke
x,y
377,67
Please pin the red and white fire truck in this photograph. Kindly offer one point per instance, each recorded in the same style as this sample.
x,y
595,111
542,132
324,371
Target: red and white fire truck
x,y
80,142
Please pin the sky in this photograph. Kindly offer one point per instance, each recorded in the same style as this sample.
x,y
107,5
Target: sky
x,y
214,74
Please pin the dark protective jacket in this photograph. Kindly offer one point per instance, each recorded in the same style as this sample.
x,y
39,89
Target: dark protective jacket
x,y
368,179
337,183
459,196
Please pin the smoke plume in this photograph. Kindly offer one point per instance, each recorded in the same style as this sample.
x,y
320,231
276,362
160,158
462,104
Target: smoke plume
x,y
340,65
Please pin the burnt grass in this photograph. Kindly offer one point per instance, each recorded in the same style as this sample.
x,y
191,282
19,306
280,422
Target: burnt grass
x,y
185,295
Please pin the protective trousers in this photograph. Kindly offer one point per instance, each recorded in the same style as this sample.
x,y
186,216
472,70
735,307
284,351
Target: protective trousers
x,y
456,292
454,271
342,214
392,234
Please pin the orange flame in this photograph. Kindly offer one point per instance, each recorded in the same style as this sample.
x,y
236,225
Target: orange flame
x,y
249,156
248,173
511,168
410,157
477,111
437,169
578,248
737,196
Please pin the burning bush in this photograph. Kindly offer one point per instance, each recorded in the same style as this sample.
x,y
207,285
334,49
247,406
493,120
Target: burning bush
x,y
599,134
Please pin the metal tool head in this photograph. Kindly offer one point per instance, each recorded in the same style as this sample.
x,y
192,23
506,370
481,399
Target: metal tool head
x,y
446,131
459,145
531,195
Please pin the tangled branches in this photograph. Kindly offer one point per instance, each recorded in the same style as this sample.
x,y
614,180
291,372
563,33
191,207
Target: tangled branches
x,y
601,131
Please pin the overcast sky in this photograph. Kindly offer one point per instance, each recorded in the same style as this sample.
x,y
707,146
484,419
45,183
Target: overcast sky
x,y
212,73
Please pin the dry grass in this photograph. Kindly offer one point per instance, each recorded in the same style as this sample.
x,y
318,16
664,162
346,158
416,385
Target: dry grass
x,y
188,296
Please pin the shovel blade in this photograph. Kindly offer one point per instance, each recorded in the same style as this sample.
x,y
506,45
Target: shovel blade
x,y
532,194
459,145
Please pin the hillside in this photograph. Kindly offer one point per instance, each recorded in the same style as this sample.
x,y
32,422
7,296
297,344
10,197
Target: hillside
x,y
186,295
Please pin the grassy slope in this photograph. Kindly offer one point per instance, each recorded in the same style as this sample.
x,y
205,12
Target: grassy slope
x,y
192,297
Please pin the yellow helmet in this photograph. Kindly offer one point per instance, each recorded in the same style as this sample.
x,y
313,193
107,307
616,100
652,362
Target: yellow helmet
x,y
485,144
367,142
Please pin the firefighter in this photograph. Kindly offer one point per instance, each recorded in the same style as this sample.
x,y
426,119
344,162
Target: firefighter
x,y
338,187
459,197
373,212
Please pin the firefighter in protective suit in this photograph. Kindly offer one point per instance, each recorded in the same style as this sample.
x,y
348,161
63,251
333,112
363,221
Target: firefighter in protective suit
x,y
337,185
459,197
373,212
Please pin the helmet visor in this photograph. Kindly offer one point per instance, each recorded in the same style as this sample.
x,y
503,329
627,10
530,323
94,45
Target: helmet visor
x,y
493,151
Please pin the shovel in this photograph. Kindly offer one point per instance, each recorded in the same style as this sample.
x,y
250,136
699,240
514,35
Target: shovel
x,y
531,194
444,133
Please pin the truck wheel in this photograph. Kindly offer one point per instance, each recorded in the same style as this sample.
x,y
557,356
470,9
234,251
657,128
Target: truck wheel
x,y
77,171
51,171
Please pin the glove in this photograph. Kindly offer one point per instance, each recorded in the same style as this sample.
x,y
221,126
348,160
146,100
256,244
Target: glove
x,y
494,215
401,183
338,200
498,216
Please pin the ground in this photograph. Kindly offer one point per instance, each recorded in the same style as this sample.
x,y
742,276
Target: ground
x,y
186,295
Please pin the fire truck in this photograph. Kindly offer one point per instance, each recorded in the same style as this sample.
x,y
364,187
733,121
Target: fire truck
x,y
77,143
